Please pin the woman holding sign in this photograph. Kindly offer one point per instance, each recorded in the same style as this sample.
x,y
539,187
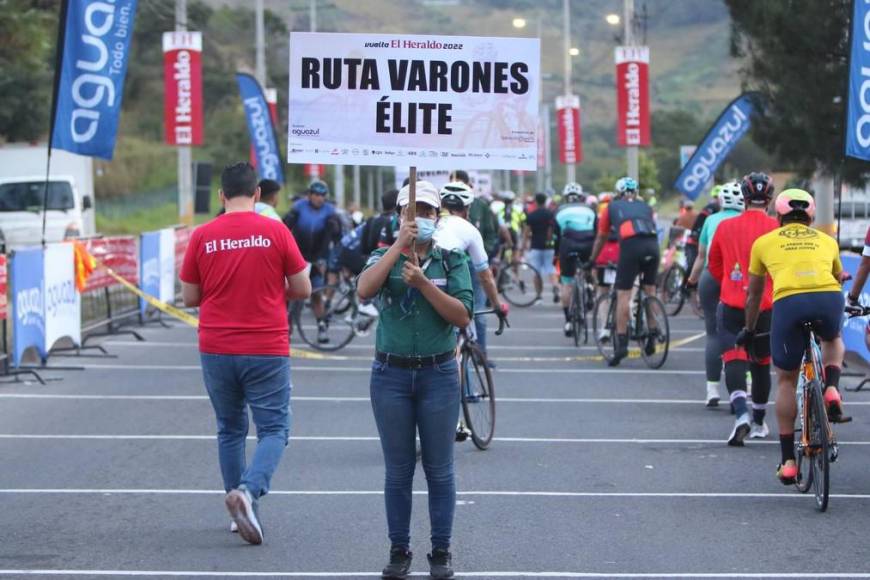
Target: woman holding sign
x,y
422,293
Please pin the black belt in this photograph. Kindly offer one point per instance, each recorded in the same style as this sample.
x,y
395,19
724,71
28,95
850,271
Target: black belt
x,y
413,362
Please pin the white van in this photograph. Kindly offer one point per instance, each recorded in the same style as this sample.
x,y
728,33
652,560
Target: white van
x,y
23,189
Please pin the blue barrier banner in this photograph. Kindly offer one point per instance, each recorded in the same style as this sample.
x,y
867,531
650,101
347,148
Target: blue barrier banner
x,y
149,263
90,82
854,328
858,121
728,129
28,311
263,136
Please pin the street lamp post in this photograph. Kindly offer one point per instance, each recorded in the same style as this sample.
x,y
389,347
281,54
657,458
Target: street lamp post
x,y
566,51
631,152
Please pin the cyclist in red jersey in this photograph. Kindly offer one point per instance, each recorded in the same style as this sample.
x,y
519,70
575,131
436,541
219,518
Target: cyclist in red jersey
x,y
729,264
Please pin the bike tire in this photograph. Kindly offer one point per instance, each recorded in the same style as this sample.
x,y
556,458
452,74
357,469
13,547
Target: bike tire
x,y
478,395
820,442
805,468
653,306
607,346
670,289
339,324
576,314
517,284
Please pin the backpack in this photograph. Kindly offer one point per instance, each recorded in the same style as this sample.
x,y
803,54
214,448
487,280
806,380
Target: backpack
x,y
352,240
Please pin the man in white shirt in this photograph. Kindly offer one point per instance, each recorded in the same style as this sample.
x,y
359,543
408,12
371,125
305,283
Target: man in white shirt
x,y
455,232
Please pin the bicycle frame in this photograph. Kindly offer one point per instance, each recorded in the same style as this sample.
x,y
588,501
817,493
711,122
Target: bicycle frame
x,y
811,369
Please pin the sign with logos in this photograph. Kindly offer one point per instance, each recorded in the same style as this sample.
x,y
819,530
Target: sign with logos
x,y
28,313
858,121
854,329
4,287
63,307
725,133
157,258
182,77
436,102
90,81
632,96
261,128
117,253
568,120
686,152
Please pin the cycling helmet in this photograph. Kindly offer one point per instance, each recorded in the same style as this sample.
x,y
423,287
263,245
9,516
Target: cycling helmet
x,y
591,200
795,200
757,188
730,196
507,195
714,192
572,188
456,195
626,185
318,188
605,197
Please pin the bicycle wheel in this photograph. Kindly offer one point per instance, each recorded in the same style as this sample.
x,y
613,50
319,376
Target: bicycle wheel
x,y
805,468
820,445
478,396
518,284
659,341
576,314
670,289
334,328
604,325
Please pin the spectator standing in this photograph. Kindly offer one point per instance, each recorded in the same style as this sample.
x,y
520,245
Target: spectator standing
x,y
423,293
539,230
240,269
269,190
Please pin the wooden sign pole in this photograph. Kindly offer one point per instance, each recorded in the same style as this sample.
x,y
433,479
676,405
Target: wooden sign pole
x,y
412,207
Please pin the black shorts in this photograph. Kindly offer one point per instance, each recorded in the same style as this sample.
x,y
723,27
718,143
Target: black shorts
x,y
823,309
729,322
568,262
353,261
637,255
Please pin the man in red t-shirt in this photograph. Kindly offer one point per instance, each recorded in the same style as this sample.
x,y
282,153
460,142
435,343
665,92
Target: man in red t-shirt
x,y
240,269
728,262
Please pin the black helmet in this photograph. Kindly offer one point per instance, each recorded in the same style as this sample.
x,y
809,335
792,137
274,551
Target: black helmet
x,y
757,187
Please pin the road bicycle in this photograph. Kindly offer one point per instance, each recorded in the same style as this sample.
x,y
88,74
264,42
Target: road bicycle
x,y
644,309
477,386
517,281
815,445
342,317
582,301
671,284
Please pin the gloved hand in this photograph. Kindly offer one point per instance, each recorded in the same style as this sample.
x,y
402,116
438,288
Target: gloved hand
x,y
503,310
745,337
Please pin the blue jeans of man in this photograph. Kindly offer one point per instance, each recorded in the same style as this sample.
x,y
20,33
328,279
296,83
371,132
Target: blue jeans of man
x,y
479,304
405,401
234,383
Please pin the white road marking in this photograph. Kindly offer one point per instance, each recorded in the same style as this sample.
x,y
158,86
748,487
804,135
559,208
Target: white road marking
x,y
344,438
464,574
327,399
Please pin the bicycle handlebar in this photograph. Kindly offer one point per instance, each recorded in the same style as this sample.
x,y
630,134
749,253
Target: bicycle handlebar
x,y
502,320
856,311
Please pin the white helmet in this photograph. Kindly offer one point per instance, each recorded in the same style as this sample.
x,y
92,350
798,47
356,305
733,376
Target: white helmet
x,y
572,188
626,185
456,194
507,195
731,196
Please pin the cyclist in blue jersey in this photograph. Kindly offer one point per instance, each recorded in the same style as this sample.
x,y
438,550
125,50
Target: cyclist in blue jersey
x,y
575,236
314,224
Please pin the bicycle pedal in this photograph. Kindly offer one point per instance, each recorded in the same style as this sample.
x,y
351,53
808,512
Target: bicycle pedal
x,y
461,436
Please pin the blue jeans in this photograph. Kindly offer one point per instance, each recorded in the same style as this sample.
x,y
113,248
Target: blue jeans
x,y
235,382
403,402
479,304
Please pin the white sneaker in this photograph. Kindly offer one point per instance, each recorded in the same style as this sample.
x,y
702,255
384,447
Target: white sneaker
x,y
240,504
368,309
759,431
569,329
740,431
603,335
712,394
234,528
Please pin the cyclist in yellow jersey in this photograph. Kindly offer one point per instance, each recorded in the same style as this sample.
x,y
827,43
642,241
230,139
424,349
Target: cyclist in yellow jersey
x,y
805,267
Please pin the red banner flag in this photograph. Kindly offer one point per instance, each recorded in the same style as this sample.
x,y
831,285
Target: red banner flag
x,y
632,96
568,119
182,75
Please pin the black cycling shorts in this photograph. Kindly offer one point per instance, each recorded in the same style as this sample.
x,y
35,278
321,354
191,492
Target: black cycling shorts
x,y
637,255
567,262
729,322
823,309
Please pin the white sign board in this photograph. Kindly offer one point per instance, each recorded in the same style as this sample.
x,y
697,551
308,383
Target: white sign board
x,y
435,102
481,181
63,308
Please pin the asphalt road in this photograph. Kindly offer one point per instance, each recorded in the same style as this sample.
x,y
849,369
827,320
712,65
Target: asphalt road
x,y
595,472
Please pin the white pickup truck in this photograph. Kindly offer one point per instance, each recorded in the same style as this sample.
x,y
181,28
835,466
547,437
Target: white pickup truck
x,y
22,191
